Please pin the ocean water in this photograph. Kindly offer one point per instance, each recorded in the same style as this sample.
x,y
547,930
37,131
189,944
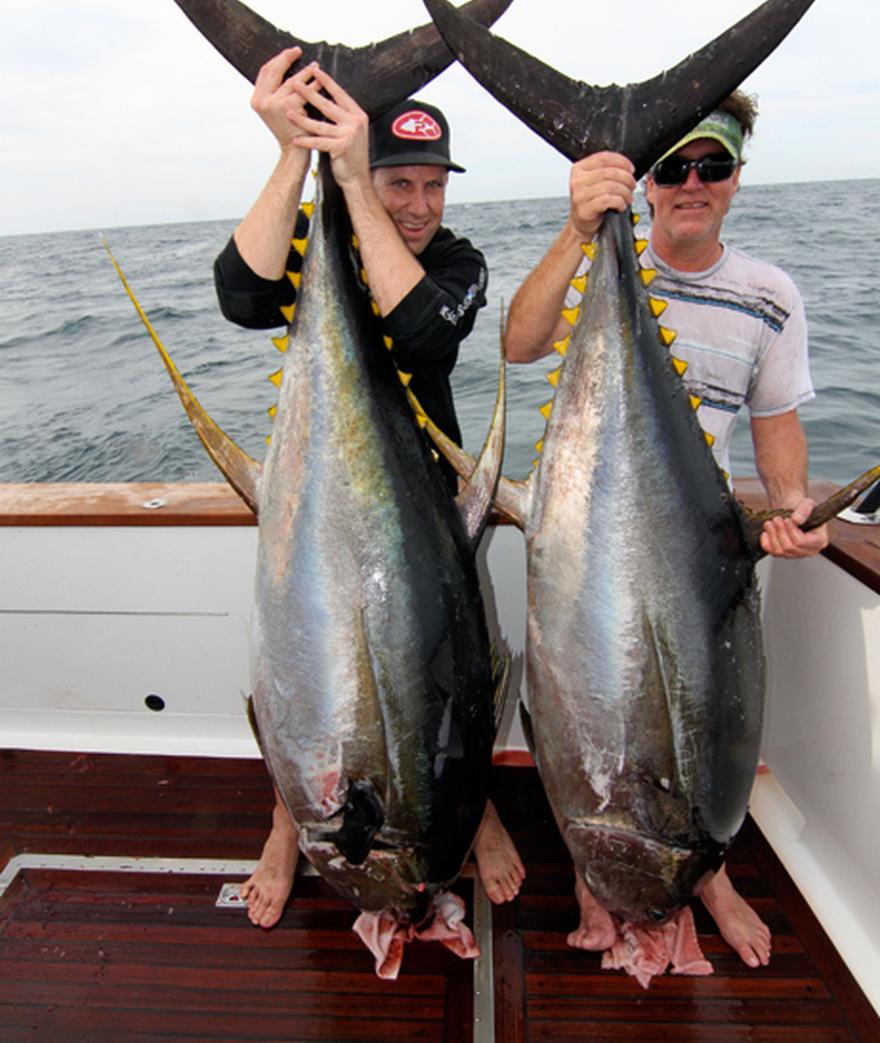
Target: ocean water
x,y
84,396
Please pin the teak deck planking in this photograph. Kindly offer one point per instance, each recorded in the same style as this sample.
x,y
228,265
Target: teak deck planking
x,y
91,956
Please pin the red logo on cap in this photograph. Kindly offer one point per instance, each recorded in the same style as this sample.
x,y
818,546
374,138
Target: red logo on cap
x,y
416,125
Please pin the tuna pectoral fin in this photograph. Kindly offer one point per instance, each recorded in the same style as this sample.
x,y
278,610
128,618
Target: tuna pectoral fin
x,y
641,120
377,76
821,514
362,819
240,470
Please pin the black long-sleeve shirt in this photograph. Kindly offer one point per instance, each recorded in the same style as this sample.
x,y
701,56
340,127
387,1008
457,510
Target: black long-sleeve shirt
x,y
426,327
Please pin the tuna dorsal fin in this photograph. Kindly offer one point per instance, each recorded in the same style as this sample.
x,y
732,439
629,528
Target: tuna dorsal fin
x,y
821,513
641,120
377,76
240,470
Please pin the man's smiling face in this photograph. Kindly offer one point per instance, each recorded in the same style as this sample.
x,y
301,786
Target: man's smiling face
x,y
414,197
690,215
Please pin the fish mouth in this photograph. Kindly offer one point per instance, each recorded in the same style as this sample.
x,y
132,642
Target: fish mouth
x,y
639,878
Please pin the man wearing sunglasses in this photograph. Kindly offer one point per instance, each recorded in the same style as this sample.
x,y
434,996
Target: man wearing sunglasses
x,y
741,328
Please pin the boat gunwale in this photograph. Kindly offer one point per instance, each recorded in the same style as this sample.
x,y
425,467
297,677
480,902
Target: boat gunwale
x,y
853,548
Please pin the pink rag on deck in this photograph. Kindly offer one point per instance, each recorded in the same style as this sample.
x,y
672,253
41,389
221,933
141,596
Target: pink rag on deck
x,y
385,937
645,952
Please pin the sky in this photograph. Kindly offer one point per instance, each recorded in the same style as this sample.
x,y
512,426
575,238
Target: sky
x,y
115,114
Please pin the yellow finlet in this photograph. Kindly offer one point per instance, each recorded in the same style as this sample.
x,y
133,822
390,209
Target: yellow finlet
x,y
667,335
553,377
276,377
355,242
580,283
657,306
287,311
365,279
282,343
405,378
635,218
562,345
299,245
272,411
648,275
680,366
308,208
571,315
539,445
590,249
547,409
295,278
389,343
695,402
710,439
375,307
640,245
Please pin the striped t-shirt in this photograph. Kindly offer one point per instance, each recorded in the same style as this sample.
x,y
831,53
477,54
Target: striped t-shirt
x,y
742,330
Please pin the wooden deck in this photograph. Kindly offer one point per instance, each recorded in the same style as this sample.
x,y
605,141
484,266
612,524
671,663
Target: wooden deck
x,y
89,956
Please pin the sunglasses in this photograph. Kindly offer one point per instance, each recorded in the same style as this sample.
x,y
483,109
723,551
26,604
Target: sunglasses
x,y
674,170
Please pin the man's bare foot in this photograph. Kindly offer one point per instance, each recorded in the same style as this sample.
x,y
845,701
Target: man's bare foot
x,y
498,863
267,889
741,927
596,930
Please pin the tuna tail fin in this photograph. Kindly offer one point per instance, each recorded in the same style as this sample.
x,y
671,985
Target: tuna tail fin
x,y
821,514
240,470
377,76
641,120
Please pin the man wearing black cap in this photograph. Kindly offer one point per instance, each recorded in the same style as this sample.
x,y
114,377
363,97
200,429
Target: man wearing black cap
x,y
426,282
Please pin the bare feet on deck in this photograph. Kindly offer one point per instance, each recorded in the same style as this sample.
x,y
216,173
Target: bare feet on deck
x,y
596,930
267,889
741,927
498,863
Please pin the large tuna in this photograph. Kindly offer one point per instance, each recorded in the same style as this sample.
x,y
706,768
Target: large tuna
x,y
644,657
374,686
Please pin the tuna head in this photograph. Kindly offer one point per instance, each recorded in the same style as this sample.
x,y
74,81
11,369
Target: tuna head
x,y
638,878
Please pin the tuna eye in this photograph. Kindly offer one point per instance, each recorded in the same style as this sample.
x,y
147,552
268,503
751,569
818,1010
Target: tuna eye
x,y
657,915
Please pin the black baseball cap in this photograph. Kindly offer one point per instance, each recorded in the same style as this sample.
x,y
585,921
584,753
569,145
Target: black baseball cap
x,y
411,133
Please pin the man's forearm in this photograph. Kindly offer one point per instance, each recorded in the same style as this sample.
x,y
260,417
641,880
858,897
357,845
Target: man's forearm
x,y
781,458
263,237
392,269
